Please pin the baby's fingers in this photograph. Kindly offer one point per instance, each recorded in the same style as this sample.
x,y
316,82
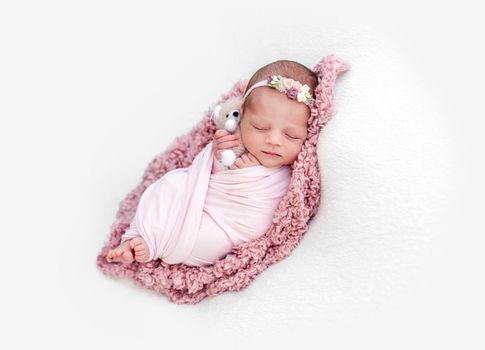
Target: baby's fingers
x,y
239,162
245,158
227,145
229,137
253,158
221,133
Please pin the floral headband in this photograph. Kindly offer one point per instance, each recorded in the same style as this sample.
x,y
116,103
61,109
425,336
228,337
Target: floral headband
x,y
292,88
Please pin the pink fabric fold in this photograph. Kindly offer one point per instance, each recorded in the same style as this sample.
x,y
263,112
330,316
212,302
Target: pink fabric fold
x,y
194,217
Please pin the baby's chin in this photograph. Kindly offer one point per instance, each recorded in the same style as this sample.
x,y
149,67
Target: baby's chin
x,y
271,161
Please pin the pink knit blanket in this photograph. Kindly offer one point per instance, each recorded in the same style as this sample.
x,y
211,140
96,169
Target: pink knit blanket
x,y
185,284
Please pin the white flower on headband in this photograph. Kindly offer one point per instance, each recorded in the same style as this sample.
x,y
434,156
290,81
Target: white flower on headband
x,y
292,88
277,82
286,84
304,93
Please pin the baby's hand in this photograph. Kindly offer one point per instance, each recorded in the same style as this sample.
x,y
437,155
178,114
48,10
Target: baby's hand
x,y
245,161
223,140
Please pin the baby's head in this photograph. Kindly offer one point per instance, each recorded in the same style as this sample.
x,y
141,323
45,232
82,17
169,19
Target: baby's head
x,y
273,125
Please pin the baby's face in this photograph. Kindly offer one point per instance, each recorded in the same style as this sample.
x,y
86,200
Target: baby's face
x,y
273,127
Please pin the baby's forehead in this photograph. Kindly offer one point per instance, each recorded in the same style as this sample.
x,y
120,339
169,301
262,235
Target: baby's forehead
x,y
267,97
294,122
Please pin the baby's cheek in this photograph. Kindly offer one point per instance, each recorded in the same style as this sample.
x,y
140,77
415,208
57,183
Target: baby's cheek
x,y
242,132
292,153
245,137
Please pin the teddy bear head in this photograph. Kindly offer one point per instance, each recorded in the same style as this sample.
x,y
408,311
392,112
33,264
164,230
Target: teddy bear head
x,y
228,114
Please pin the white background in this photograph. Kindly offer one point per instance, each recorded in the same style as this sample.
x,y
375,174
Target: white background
x,y
91,91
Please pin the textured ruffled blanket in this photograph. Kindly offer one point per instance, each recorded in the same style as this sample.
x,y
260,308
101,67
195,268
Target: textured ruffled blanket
x,y
185,284
194,217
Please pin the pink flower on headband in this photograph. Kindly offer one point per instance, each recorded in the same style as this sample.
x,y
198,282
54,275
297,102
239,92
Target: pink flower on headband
x,y
292,93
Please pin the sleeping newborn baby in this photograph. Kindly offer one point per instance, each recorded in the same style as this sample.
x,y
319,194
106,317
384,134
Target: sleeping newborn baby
x,y
195,215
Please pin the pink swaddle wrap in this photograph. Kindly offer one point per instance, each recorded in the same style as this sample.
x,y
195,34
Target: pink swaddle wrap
x,y
194,217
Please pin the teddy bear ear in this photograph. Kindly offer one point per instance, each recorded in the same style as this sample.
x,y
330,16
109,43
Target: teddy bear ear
x,y
215,113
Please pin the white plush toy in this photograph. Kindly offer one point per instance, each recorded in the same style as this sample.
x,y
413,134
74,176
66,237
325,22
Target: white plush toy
x,y
227,116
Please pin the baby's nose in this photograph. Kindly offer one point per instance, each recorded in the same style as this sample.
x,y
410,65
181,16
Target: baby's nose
x,y
273,139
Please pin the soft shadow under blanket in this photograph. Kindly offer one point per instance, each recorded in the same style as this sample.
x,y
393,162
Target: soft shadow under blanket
x,y
185,284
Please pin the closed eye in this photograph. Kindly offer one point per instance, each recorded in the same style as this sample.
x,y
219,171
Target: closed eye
x,y
257,128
